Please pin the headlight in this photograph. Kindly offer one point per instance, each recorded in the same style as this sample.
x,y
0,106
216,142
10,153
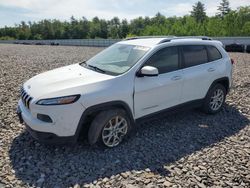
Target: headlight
x,y
59,100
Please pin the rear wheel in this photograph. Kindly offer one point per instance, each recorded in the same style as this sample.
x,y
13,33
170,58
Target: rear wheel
x,y
215,99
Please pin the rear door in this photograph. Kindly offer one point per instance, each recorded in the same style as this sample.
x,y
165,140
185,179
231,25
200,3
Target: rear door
x,y
198,72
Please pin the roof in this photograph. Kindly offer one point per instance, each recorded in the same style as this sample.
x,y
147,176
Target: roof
x,y
149,42
154,41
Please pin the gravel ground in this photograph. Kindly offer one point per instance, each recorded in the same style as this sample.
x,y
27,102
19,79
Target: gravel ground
x,y
186,149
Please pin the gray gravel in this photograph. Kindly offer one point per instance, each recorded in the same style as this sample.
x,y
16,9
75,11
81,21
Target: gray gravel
x,y
186,149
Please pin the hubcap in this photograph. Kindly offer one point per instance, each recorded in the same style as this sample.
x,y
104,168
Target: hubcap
x,y
217,99
114,131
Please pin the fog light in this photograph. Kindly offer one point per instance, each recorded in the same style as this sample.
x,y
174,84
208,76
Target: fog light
x,y
44,118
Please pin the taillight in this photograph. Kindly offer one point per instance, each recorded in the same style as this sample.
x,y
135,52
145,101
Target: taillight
x,y
232,61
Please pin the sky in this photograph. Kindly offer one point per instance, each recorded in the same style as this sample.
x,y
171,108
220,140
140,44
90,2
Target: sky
x,y
14,11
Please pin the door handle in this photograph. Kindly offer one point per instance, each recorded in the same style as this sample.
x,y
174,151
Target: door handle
x,y
211,69
176,78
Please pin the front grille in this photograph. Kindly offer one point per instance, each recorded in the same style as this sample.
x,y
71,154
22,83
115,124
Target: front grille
x,y
26,98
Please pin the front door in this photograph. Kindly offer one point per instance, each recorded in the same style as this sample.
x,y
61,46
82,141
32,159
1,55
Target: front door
x,y
156,93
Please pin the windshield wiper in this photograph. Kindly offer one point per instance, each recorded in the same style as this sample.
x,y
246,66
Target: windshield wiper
x,y
93,67
97,68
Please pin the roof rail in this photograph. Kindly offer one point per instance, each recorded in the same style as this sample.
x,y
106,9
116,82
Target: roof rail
x,y
169,38
131,38
146,37
185,37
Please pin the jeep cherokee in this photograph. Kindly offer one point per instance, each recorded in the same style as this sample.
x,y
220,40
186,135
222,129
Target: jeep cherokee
x,y
104,96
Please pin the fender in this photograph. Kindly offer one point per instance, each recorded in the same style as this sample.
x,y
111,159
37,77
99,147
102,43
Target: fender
x,y
101,107
223,81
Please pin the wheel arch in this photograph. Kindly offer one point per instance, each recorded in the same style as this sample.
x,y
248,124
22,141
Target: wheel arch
x,y
92,111
223,81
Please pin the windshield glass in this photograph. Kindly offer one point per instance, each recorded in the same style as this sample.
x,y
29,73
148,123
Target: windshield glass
x,y
117,59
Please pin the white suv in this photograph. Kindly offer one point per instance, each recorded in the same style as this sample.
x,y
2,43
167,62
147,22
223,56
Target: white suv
x,y
105,96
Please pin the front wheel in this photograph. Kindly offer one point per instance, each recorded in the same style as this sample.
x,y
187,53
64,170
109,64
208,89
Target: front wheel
x,y
110,128
215,99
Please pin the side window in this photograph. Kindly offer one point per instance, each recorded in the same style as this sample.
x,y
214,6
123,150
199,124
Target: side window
x,y
166,60
194,55
213,53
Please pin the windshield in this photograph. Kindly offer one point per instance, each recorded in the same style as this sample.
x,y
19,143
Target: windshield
x,y
117,59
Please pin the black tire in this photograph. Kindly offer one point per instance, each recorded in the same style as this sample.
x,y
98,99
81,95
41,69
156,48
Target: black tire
x,y
248,49
207,107
96,130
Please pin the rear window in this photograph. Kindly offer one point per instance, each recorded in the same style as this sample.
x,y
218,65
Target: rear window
x,y
194,55
213,53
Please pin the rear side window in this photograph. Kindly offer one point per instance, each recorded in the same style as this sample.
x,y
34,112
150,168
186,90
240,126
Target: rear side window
x,y
213,53
194,55
166,60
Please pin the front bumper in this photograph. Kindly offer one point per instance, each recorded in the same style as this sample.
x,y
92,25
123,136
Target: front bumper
x,y
50,138
63,130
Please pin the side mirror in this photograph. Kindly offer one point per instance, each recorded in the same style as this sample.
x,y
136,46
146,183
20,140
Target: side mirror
x,y
148,71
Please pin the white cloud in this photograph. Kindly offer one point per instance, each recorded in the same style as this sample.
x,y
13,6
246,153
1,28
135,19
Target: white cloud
x,y
237,3
63,9
178,10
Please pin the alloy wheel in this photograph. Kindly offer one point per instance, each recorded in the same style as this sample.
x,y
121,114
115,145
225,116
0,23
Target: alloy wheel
x,y
216,99
114,131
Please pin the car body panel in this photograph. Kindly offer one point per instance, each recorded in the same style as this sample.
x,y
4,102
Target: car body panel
x,y
65,120
160,92
63,81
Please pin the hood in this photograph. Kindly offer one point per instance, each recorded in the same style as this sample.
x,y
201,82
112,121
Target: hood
x,y
63,81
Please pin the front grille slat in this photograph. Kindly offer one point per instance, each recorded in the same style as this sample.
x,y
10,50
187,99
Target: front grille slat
x,y
22,91
23,94
28,102
26,98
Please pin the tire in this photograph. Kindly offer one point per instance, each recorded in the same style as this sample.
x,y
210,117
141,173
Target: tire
x,y
115,123
213,104
248,49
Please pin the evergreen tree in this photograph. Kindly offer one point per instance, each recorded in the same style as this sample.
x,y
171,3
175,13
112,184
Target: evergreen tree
x,y
124,28
114,28
198,12
223,8
235,23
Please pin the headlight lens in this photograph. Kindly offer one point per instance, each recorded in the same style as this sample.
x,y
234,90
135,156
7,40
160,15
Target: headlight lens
x,y
59,100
